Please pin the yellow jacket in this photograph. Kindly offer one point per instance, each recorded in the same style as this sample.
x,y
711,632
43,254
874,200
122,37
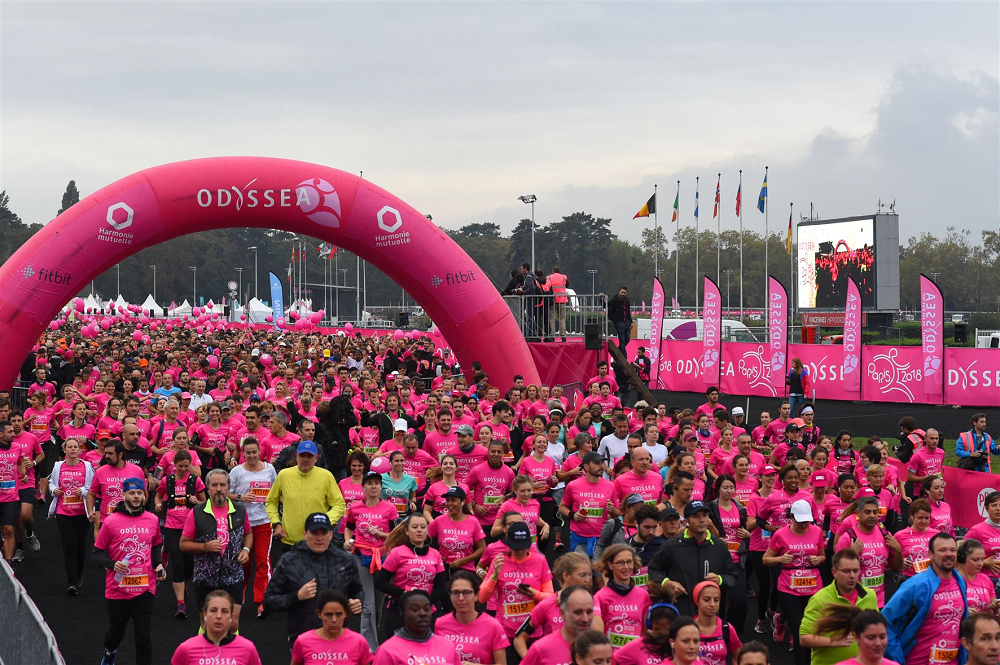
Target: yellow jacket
x,y
301,494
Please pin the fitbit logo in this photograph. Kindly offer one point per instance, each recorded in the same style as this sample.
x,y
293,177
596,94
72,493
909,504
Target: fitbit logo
x,y
48,276
454,278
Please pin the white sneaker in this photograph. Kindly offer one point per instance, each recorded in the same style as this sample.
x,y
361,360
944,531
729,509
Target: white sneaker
x,y
33,542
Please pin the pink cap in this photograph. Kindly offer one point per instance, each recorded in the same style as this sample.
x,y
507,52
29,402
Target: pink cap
x,y
768,470
862,493
820,479
185,395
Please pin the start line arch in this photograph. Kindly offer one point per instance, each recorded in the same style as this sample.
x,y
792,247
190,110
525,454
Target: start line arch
x,y
165,202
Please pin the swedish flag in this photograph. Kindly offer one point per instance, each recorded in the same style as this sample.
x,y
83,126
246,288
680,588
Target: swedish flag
x,y
762,199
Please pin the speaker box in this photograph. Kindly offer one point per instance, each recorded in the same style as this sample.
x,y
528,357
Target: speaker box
x,y
962,333
591,336
402,319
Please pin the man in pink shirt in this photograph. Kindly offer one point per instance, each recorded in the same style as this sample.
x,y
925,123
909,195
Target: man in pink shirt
x,y
709,407
467,453
927,461
436,443
489,482
577,609
588,502
108,481
640,480
775,431
602,375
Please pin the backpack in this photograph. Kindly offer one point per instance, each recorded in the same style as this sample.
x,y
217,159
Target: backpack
x,y
972,463
725,640
908,445
189,490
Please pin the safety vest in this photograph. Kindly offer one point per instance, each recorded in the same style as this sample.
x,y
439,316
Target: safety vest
x,y
558,283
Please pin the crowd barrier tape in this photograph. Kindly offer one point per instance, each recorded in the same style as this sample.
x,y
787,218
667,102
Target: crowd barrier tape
x,y
889,373
27,638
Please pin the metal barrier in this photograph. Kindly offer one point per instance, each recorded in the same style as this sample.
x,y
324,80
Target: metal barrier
x,y
19,398
540,316
27,638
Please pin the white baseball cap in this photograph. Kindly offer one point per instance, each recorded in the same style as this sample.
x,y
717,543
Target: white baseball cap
x,y
738,411
802,511
399,425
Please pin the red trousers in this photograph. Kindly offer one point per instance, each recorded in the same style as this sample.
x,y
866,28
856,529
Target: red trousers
x,y
261,556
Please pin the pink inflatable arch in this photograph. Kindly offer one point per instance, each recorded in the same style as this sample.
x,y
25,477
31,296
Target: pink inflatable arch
x,y
168,201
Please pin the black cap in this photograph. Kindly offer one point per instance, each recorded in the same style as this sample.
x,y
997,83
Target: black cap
x,y
371,474
456,492
694,507
317,521
592,457
668,513
518,536
792,427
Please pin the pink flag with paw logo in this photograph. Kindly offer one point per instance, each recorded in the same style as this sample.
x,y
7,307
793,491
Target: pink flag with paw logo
x,y
711,333
777,331
932,335
852,338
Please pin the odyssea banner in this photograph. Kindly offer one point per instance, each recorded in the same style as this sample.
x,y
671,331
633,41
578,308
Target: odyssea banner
x,y
680,364
966,513
932,335
852,339
277,303
972,377
777,332
711,335
746,370
655,333
895,374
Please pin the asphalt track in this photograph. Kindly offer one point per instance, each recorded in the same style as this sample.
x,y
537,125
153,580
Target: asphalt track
x,y
79,622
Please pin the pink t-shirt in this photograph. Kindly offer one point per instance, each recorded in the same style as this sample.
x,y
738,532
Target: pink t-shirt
x,y
366,439
714,649
547,618
539,472
915,546
456,540
989,536
757,464
593,498
637,653
941,518
475,642
352,494
435,651
167,461
514,606
758,537
980,592
834,507
411,570
437,444
40,424
360,517
730,523
720,457
775,508
107,486
488,487
926,463
177,515
799,578
122,535
434,497
745,490
874,557
240,650
71,481
30,448
552,649
937,639
623,616
650,486
212,438
81,434
855,661
221,515
417,467
529,511
468,461
349,648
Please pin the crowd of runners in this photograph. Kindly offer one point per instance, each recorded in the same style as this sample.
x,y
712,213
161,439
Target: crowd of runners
x,y
392,508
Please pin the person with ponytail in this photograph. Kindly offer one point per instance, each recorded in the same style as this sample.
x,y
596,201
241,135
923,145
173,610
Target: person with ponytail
x,y
591,648
979,589
523,502
440,479
719,640
868,628
458,535
518,579
685,641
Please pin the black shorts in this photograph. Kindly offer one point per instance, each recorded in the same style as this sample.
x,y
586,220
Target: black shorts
x,y
234,590
9,512
27,495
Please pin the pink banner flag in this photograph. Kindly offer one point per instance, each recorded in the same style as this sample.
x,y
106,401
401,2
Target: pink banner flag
x,y
656,333
674,305
711,333
932,335
777,331
852,339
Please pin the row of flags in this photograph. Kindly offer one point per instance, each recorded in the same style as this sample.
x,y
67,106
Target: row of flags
x,y
650,206
326,251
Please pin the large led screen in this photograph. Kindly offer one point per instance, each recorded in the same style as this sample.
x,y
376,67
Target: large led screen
x,y
830,253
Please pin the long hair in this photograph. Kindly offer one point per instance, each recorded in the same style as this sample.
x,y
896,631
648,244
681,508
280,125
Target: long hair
x,y
841,620
398,535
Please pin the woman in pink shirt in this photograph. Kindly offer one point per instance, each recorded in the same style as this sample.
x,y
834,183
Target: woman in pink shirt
x,y
478,637
978,586
519,579
746,485
440,479
798,550
411,564
315,646
224,647
352,487
623,603
415,643
78,428
685,642
524,503
868,627
774,513
719,640
914,541
933,489
458,535
176,496
70,481
209,439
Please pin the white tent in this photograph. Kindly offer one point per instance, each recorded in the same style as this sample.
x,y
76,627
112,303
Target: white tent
x,y
303,307
91,305
150,305
256,311
121,302
184,309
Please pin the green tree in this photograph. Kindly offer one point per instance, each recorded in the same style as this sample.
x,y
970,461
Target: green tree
x,y
70,197
480,230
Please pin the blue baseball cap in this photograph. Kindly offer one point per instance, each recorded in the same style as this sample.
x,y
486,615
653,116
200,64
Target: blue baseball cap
x,y
133,484
307,447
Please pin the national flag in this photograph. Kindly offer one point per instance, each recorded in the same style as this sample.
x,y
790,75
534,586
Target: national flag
x,y
648,209
326,250
739,199
696,203
788,238
677,203
292,260
762,199
715,213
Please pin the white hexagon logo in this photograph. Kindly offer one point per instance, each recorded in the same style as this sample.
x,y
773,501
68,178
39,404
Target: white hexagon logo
x,y
113,219
389,228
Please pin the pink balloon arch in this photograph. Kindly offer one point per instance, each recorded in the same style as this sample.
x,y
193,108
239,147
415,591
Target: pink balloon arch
x,y
164,202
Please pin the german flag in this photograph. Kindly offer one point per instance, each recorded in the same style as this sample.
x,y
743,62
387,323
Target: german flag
x,y
648,209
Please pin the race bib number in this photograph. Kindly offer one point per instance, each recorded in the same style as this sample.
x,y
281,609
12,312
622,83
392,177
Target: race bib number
x,y
71,500
873,582
370,450
401,505
518,609
921,565
943,655
38,427
7,484
641,579
807,582
733,547
492,500
593,512
134,583
110,508
260,493
618,640
180,500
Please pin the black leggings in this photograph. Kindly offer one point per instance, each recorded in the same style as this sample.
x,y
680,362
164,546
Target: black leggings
x,y
766,597
73,530
181,564
140,611
736,603
792,609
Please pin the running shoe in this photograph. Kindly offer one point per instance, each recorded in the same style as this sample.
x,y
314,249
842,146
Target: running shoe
x,y
18,556
79,582
750,592
109,657
261,613
72,590
761,627
779,629
181,611
33,543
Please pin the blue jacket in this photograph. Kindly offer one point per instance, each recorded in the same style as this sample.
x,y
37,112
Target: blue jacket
x,y
907,609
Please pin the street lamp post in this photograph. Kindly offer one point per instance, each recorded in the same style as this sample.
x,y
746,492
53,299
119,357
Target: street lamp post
x,y
239,271
153,266
194,275
728,274
531,198
593,280
118,266
254,249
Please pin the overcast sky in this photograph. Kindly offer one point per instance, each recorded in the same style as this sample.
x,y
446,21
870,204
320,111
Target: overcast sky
x,y
458,108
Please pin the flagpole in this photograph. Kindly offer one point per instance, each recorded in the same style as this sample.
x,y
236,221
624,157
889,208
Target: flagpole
x,y
697,247
740,190
656,237
677,247
766,240
718,238
791,264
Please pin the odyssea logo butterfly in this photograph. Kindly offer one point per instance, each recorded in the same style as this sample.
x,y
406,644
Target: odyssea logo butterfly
x,y
318,199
